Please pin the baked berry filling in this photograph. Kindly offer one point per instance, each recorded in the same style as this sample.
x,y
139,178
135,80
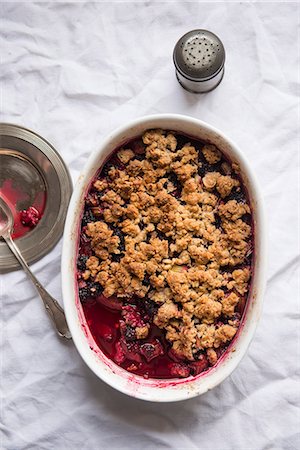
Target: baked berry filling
x,y
165,255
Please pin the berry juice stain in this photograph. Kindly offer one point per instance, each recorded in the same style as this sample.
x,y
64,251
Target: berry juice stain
x,y
26,212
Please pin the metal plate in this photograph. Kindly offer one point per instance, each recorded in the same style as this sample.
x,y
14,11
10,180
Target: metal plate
x,y
33,165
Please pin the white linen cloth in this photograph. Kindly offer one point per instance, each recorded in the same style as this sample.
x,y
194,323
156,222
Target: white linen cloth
x,y
73,72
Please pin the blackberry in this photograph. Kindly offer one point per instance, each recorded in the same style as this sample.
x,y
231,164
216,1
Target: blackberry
x,y
150,307
100,195
95,288
151,350
139,157
247,218
199,366
203,168
116,162
120,235
138,147
88,217
218,221
81,261
129,333
206,167
198,354
237,195
146,280
84,294
106,168
85,245
174,180
181,141
90,291
117,257
161,235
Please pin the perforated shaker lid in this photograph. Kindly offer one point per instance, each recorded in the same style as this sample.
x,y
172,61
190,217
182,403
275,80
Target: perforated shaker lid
x,y
199,55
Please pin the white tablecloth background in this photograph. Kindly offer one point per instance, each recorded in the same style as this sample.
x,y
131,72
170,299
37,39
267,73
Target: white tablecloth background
x,y
73,72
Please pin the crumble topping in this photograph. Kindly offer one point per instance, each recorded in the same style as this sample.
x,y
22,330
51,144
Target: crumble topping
x,y
173,228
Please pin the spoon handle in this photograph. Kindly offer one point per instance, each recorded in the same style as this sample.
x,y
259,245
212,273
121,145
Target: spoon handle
x,y
53,308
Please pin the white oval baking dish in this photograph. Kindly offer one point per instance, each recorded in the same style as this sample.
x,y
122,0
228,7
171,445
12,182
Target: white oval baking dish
x,y
104,368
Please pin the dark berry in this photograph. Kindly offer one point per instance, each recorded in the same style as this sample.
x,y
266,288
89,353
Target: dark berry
x,y
116,162
106,168
88,217
151,350
81,261
131,350
198,354
241,306
117,257
150,307
247,218
120,235
138,147
237,194
218,221
199,366
236,316
92,199
129,333
90,291
161,235
85,245
181,141
84,294
203,168
177,193
100,195
174,180
139,157
179,370
142,225
95,288
146,280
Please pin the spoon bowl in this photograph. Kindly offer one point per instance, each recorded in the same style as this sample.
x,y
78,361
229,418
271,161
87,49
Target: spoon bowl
x,y
6,218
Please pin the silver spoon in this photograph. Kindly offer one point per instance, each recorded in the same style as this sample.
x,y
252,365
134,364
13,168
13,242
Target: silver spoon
x,y
53,308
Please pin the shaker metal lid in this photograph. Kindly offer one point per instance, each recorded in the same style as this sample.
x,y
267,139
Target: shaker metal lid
x,y
33,166
199,55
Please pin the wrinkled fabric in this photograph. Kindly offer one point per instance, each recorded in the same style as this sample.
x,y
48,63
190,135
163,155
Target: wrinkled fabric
x,y
75,71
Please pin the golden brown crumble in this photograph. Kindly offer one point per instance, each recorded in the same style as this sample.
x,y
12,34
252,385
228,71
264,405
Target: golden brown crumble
x,y
183,240
211,153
